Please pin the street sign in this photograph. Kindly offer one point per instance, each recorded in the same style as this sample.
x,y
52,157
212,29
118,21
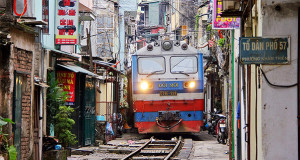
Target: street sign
x,y
259,50
223,22
66,29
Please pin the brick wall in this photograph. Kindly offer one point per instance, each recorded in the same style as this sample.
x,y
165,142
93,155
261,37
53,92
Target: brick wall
x,y
23,64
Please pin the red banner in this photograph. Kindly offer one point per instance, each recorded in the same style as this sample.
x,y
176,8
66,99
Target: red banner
x,y
67,80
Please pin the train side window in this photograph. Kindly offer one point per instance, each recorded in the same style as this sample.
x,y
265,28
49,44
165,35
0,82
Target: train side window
x,y
184,64
151,65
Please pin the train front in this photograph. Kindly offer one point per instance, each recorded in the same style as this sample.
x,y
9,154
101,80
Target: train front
x,y
167,85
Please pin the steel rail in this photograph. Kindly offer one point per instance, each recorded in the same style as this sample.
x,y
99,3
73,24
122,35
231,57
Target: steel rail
x,y
139,149
174,149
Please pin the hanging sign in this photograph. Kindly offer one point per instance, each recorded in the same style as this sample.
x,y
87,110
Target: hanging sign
x,y
223,22
66,28
264,50
67,80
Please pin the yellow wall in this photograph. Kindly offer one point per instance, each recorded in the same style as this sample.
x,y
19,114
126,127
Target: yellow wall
x,y
256,32
175,16
101,107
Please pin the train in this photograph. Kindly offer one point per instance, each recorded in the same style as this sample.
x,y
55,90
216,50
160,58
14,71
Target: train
x,y
167,88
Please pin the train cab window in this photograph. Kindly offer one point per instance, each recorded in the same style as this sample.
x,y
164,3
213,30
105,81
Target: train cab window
x,y
183,64
151,65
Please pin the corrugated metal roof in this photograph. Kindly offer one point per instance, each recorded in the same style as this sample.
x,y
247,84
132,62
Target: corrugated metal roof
x,y
69,55
106,65
77,69
149,1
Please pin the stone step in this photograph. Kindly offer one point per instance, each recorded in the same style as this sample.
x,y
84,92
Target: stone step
x,y
107,147
121,151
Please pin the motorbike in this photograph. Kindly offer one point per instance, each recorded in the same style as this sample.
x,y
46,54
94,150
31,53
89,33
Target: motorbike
x,y
221,130
212,122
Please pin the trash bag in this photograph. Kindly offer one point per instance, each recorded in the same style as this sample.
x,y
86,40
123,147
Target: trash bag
x,y
109,130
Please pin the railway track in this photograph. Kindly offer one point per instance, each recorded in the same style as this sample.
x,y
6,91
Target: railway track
x,y
155,150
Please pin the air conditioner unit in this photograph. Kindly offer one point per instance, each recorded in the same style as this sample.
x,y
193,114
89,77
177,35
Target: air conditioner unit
x,y
231,8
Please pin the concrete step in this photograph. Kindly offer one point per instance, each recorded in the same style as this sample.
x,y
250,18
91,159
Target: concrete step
x,y
121,150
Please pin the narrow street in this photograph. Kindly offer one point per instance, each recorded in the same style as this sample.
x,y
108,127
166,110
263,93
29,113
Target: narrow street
x,y
207,148
204,147
77,74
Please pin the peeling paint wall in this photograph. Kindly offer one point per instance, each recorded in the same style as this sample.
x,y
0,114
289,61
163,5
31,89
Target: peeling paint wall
x,y
279,105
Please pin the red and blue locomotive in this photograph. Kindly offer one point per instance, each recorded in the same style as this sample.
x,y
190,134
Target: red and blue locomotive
x,y
167,80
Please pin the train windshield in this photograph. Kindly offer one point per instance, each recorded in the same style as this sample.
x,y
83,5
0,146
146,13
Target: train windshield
x,y
184,64
151,65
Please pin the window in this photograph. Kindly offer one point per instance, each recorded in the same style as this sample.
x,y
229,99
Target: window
x,y
183,64
45,15
151,65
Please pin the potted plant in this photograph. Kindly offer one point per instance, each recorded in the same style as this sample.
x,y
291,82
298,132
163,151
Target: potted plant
x,y
63,125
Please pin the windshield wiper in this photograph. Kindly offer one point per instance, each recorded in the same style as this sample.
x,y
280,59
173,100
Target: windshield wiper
x,y
179,62
154,72
181,72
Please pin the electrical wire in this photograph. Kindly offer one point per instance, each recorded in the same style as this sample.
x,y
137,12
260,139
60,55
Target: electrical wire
x,y
180,12
275,85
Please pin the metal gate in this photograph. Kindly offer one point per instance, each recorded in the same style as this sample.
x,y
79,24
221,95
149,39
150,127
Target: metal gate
x,y
17,113
89,112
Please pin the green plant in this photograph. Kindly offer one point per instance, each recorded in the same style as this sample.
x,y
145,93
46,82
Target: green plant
x,y
197,17
12,152
63,126
221,42
56,97
209,28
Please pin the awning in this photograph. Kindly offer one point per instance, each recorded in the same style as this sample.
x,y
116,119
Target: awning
x,y
106,65
77,69
62,53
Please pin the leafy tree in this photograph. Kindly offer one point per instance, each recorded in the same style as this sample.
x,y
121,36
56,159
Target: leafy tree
x,y
63,126
56,97
58,114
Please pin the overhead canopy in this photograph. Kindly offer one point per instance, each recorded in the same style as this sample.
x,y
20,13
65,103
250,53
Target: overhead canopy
x,y
77,69
62,53
106,65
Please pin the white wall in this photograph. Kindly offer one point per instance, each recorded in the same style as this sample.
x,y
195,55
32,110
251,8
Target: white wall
x,y
235,81
279,105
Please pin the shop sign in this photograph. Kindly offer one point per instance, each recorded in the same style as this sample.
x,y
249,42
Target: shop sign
x,y
264,50
223,22
66,28
67,80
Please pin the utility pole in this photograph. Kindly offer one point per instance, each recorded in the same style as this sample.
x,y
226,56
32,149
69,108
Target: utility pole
x,y
89,49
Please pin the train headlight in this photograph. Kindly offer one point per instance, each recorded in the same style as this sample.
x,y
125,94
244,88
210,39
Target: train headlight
x,y
184,46
190,84
144,85
149,47
167,45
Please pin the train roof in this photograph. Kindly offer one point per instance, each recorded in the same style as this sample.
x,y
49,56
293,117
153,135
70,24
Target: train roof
x,y
157,48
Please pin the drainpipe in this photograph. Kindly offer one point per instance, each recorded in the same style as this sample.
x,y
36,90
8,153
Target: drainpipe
x,y
41,123
41,98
